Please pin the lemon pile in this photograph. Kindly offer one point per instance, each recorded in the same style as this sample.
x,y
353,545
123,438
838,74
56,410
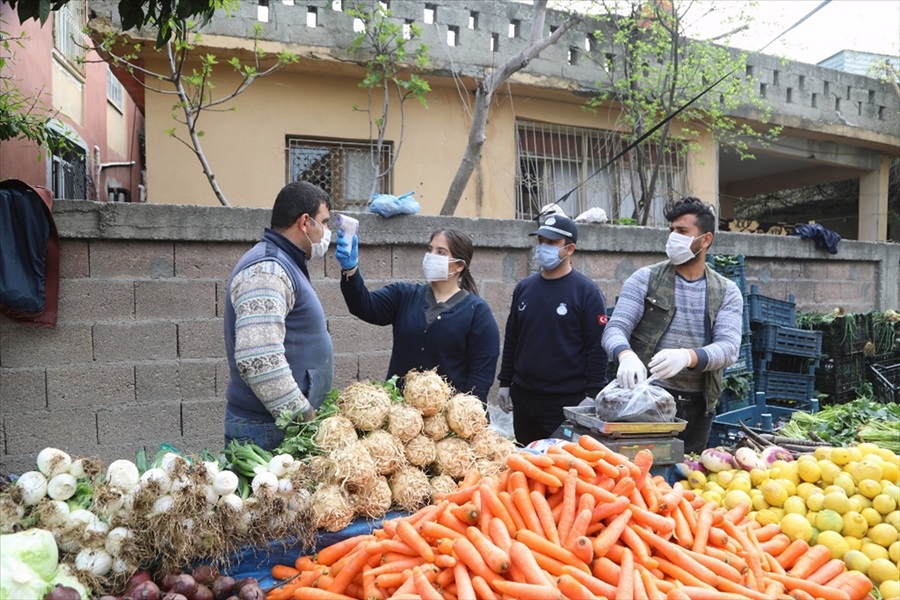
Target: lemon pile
x,y
843,498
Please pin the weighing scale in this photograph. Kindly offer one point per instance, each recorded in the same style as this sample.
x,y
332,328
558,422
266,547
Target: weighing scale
x,y
625,438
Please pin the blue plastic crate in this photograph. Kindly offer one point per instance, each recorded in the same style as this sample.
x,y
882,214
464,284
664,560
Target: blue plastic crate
x,y
786,386
769,310
744,362
745,329
729,402
771,339
726,427
736,273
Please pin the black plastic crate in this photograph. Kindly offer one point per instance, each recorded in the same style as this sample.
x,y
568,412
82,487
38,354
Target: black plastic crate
x,y
729,401
785,363
745,329
736,273
770,310
786,386
726,428
885,335
771,339
841,376
744,362
836,341
886,380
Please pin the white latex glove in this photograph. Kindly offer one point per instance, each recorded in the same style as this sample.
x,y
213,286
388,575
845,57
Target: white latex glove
x,y
631,371
504,400
668,363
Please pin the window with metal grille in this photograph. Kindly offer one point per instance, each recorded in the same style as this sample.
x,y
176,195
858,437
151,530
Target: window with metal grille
x,y
69,174
553,159
342,168
114,92
68,39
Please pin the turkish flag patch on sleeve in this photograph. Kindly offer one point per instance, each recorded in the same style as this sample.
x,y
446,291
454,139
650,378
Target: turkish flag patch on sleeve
x,y
602,319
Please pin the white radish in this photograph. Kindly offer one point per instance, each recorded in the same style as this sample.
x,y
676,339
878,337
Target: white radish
x,y
116,538
62,486
212,469
34,487
171,463
157,477
94,560
232,501
81,515
52,461
123,474
280,464
225,483
76,469
264,480
211,496
58,517
163,504
285,487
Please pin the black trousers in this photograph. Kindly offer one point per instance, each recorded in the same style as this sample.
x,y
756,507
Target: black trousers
x,y
536,416
693,410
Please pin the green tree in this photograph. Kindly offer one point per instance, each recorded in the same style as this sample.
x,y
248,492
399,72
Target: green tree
x,y
651,70
388,57
190,79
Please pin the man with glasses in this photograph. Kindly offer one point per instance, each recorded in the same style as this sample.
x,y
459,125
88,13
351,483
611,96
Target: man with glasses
x,y
683,320
280,354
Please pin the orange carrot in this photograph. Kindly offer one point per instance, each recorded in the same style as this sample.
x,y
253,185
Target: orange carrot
x,y
807,564
579,525
495,558
777,544
767,532
639,548
499,535
284,572
329,555
658,522
518,462
305,563
625,589
676,572
643,460
702,593
541,461
719,567
828,571
394,546
701,531
423,587
443,546
408,534
484,513
564,460
491,501
640,593
726,585
650,584
352,568
793,552
606,570
428,513
444,561
651,495
603,510
682,529
738,512
525,591
447,519
483,591
398,566
460,496
468,553
545,516
470,477
569,503
583,487
386,581
677,555
609,536
625,486
467,513
572,588
598,587
311,593
370,590
463,581
524,560
539,544
527,510
669,501
582,548
755,563
509,504
817,590
857,586
438,531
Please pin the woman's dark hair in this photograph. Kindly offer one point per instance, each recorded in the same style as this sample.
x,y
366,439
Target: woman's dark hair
x,y
461,247
703,213
295,200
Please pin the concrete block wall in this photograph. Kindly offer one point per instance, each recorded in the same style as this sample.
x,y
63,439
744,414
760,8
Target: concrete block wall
x,y
137,357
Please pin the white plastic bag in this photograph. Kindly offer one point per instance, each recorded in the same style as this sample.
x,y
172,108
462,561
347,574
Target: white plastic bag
x,y
500,421
645,403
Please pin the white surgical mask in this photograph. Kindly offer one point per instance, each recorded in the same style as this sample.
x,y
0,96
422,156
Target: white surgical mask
x,y
547,256
678,248
319,248
436,267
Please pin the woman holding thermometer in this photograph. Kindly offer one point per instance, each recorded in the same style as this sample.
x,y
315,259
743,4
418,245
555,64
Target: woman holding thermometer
x,y
442,324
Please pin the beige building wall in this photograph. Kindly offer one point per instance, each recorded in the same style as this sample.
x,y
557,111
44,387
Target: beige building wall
x,y
67,93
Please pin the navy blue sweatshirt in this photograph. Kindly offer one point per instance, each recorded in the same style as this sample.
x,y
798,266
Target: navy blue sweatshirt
x,y
553,336
462,342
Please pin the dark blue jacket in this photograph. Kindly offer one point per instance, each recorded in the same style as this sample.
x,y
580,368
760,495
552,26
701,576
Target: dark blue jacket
x,y
462,343
553,332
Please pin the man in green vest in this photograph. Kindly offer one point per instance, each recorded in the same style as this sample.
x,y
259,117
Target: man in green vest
x,y
682,319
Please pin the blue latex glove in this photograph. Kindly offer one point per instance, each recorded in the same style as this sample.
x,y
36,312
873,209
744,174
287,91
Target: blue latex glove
x,y
347,251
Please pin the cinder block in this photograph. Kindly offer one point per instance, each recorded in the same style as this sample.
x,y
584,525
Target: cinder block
x,y
92,299
111,452
207,260
221,286
23,389
132,259
498,295
89,385
329,294
145,340
201,339
35,430
195,444
174,299
221,377
74,259
26,347
407,262
203,419
3,444
375,261
17,463
175,380
373,365
349,334
144,423
346,370
499,264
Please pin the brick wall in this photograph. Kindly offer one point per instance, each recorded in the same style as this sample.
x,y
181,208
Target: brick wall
x,y
137,358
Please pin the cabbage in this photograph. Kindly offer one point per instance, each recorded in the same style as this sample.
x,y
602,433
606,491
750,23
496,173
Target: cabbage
x,y
18,580
63,576
34,547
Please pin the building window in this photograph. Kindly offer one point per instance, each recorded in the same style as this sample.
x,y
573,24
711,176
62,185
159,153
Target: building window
x,y
340,167
69,174
554,159
114,91
68,39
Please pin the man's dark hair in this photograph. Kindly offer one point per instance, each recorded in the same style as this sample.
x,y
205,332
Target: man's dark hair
x,y
296,199
703,213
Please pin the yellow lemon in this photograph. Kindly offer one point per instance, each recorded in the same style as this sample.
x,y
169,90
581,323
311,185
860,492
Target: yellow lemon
x,y
796,527
869,488
883,534
758,476
855,454
822,453
724,478
833,488
853,543
893,519
815,501
891,472
835,543
805,489
840,456
789,486
884,504
768,516
828,520
740,484
894,552
867,448
774,493
860,501
712,486
866,469
893,491
887,455
712,497
874,551
811,516
855,524
697,479
803,457
857,561
735,497
795,504
836,501
872,516
882,569
845,481
809,471
758,502
889,589
829,471
789,473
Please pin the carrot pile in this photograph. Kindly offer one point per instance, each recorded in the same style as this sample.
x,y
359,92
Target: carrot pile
x,y
580,521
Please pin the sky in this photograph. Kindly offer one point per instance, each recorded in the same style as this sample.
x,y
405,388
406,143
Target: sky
x,y
862,25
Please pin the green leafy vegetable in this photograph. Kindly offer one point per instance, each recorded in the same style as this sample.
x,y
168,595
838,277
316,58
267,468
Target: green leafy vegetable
x,y
298,434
